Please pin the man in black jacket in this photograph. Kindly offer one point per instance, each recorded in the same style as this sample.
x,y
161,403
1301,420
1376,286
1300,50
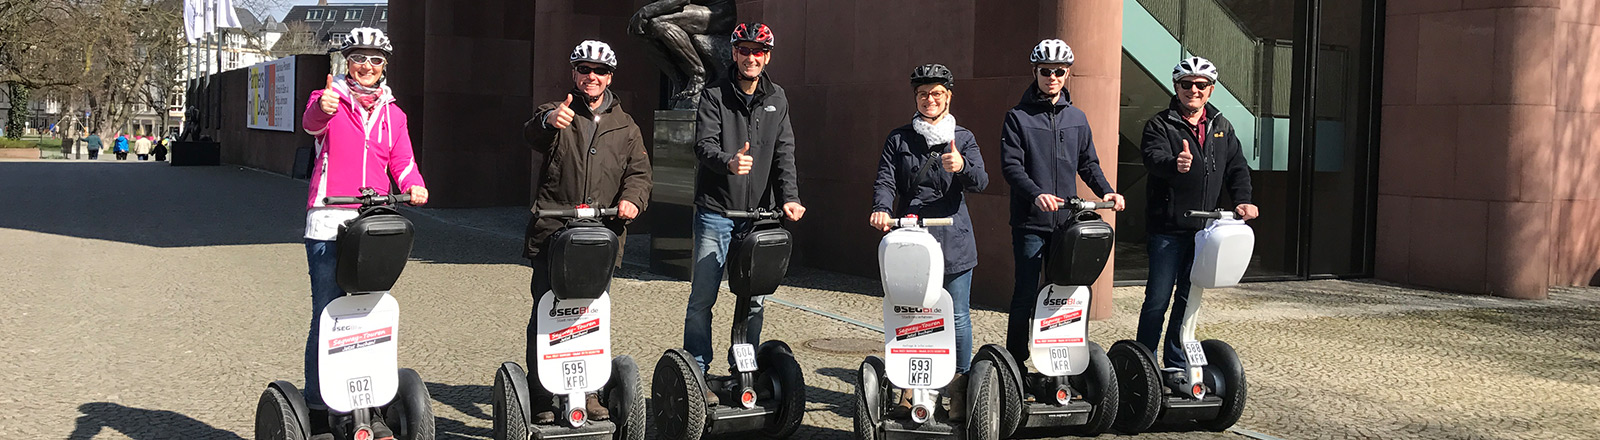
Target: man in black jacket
x,y
1191,154
1044,144
746,152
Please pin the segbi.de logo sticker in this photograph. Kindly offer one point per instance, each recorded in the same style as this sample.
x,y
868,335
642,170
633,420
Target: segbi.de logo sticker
x,y
363,340
575,332
572,311
908,310
919,329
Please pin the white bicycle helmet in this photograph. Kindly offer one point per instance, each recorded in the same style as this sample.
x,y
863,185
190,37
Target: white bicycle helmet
x,y
1052,51
1195,66
594,51
366,38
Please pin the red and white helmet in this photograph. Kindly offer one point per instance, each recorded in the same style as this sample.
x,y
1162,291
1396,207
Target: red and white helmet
x,y
753,32
1051,51
1195,66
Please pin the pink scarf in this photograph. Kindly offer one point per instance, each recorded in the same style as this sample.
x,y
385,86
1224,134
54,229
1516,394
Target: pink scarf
x,y
367,96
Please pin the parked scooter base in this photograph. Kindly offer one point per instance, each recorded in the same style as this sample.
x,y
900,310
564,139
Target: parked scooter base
x,y
513,410
876,397
282,413
1081,405
1146,401
682,412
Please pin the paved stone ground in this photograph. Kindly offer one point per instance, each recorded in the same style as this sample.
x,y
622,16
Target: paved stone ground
x,y
157,306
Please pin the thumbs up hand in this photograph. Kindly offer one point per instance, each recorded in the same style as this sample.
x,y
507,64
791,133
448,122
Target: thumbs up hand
x,y
330,98
1185,159
953,162
741,162
560,117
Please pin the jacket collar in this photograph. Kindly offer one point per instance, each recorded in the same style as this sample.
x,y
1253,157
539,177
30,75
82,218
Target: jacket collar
x,y
1176,113
606,105
763,87
1033,97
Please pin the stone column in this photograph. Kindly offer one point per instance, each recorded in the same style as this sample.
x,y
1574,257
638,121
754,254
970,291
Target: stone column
x,y
1094,30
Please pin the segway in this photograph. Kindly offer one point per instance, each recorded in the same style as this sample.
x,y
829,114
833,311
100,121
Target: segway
x,y
766,392
920,349
358,339
573,337
1074,388
1211,391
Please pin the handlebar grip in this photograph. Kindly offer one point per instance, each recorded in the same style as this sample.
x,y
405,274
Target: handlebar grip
x,y
609,212
580,213
1105,205
938,221
1211,214
757,214
341,200
400,198
544,213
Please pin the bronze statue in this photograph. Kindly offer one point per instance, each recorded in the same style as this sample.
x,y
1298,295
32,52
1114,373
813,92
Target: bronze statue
x,y
688,40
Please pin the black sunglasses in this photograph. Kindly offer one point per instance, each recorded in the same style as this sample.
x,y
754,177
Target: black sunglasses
x,y
1045,72
584,70
1186,85
751,52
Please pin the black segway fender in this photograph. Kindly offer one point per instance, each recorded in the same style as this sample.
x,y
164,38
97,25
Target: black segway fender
x,y
780,369
410,415
1009,373
625,399
1139,386
509,398
770,345
1099,386
678,394
297,409
1224,373
869,399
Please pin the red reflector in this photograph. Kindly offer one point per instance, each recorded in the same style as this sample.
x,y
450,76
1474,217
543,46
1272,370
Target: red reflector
x,y
922,412
363,434
1198,389
1061,396
749,397
577,415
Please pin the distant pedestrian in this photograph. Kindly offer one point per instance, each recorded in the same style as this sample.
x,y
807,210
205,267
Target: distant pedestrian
x,y
93,143
161,148
141,147
120,147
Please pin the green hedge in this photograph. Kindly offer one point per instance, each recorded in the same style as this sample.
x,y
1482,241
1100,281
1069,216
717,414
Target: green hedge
x,y
13,143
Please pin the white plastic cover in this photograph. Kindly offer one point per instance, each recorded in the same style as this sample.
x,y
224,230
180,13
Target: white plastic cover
x,y
357,340
911,265
574,343
1058,344
920,343
1221,253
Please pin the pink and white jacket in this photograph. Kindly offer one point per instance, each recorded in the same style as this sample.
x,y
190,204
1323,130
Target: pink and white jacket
x,y
358,149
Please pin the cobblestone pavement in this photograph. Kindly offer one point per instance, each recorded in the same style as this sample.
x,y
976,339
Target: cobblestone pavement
x,y
151,302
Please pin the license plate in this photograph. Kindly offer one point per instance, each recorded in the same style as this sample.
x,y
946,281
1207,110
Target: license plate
x,y
744,357
1197,356
1060,359
921,372
360,392
574,375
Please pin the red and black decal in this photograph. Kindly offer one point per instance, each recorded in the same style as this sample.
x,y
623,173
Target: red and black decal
x,y
575,332
1058,321
363,340
919,329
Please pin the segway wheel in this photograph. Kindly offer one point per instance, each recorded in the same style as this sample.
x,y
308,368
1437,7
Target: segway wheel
x,y
1010,374
510,400
983,410
279,417
869,399
1139,386
410,415
783,379
625,399
1225,375
1099,386
679,401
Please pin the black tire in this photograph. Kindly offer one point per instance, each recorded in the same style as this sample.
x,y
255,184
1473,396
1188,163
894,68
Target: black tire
x,y
410,415
983,400
1225,375
276,415
1099,386
678,399
510,400
625,399
869,399
783,379
1139,386
1010,374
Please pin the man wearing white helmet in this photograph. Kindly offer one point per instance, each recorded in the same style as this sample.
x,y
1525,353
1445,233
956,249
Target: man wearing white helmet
x,y
593,154
1045,145
1191,154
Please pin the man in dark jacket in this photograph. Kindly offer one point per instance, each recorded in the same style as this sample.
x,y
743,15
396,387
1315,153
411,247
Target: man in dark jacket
x,y
1187,130
593,155
746,152
1045,143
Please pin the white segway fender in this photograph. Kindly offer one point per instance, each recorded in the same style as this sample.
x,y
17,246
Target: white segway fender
x,y
357,355
1060,328
1222,253
913,267
574,343
920,342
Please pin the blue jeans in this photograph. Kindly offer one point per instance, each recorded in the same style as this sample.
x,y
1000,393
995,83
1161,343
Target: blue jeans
x,y
960,287
322,260
712,233
1028,249
1171,257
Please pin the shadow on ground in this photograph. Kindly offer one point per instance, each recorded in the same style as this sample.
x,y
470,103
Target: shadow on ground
x,y
141,424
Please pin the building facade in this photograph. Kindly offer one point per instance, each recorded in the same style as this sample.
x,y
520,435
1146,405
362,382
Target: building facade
x,y
328,23
1437,143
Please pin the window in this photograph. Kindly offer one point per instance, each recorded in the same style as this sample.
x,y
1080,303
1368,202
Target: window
x,y
313,15
352,14
337,38
383,15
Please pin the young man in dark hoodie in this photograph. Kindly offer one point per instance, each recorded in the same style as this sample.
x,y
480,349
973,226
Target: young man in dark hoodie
x,y
1192,154
594,155
1044,144
746,151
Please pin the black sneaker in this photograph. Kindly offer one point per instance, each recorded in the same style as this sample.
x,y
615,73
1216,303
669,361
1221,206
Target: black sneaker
x,y
380,430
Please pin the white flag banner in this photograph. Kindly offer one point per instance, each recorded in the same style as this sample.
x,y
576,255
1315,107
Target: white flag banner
x,y
194,19
227,17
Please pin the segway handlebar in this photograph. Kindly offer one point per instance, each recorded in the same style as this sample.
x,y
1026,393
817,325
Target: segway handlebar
x,y
909,222
1085,205
368,200
577,213
758,214
1219,215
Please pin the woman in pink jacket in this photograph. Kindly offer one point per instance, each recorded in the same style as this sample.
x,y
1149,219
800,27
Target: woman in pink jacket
x,y
362,142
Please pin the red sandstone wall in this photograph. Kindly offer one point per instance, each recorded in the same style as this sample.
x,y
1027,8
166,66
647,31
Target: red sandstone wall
x,y
1575,220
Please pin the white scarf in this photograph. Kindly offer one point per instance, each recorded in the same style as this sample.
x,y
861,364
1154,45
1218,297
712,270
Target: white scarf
x,y
937,134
